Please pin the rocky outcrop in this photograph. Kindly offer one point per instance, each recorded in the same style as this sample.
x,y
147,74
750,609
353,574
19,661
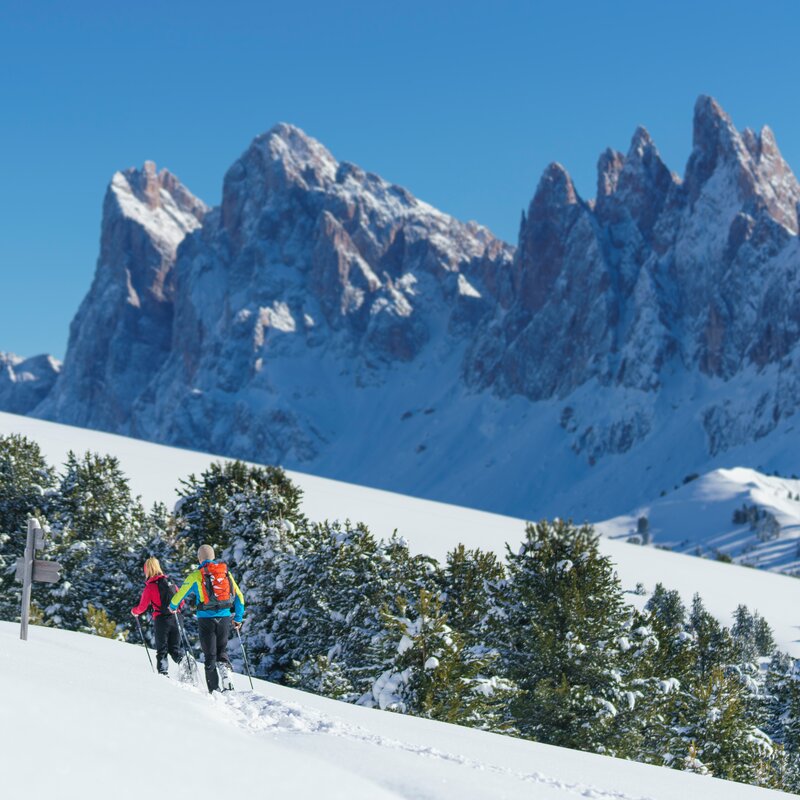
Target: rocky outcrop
x,y
655,273
25,382
309,262
122,332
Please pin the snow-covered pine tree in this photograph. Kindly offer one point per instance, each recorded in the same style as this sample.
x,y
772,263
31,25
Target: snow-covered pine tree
x,y
471,579
781,710
25,480
432,674
763,637
713,643
208,503
333,591
743,633
721,711
263,547
716,731
676,653
657,658
98,533
753,645
559,625
161,540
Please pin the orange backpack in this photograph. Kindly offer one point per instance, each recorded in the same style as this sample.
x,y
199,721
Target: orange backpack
x,y
218,586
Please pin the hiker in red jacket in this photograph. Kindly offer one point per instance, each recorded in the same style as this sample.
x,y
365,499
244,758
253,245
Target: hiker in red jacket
x,y
158,592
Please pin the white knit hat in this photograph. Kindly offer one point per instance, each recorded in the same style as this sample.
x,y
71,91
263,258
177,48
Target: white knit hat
x,y
205,553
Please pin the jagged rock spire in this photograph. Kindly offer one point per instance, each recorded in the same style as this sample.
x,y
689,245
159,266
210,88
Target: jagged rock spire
x,y
609,166
756,170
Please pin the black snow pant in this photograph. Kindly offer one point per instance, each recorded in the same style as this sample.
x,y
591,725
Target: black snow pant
x,y
168,641
214,633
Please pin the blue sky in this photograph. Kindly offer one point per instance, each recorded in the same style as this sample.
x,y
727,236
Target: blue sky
x,y
464,103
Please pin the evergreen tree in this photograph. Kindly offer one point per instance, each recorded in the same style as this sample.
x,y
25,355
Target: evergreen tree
x,y
763,637
98,533
743,632
161,540
98,624
713,643
782,716
25,482
271,550
559,625
657,665
471,580
716,731
209,503
333,589
432,673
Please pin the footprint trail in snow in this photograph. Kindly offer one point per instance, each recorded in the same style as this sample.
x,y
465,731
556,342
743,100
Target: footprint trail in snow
x,y
262,714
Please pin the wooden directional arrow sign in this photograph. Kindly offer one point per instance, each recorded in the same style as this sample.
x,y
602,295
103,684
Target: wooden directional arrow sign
x,y
43,571
46,571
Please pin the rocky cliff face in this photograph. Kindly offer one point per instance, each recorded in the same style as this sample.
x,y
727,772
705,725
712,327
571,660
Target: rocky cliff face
x,y
326,319
313,266
122,332
653,277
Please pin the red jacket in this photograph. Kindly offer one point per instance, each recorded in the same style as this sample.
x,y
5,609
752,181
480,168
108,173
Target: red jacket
x,y
151,597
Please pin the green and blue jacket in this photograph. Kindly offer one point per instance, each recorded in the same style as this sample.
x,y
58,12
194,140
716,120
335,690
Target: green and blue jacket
x,y
194,586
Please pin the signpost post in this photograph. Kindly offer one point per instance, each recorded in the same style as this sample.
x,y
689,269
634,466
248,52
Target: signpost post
x,y
30,570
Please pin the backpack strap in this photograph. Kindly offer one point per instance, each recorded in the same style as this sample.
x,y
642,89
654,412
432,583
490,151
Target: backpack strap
x,y
208,585
166,591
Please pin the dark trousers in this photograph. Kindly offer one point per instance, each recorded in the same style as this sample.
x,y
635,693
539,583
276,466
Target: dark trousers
x,y
214,632
168,641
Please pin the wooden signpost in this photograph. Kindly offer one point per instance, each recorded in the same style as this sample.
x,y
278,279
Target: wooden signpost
x,y
30,570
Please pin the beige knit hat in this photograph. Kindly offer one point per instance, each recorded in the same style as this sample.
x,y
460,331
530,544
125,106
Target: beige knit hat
x,y
205,553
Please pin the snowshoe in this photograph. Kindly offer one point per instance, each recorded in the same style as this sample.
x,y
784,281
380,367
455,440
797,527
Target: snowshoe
x,y
225,681
185,670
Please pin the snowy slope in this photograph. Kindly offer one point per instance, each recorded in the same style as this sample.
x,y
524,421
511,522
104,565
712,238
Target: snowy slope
x,y
75,736
435,528
699,518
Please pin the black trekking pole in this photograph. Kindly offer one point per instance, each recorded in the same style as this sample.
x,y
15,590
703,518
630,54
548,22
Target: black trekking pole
x,y
146,648
244,653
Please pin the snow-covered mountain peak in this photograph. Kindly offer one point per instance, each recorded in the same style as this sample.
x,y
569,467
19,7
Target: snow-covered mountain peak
x,y
123,328
158,202
283,157
779,187
555,189
640,141
716,146
641,189
609,166
732,169
293,146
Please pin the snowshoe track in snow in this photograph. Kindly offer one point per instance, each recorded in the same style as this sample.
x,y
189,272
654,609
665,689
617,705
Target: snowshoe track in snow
x,y
261,714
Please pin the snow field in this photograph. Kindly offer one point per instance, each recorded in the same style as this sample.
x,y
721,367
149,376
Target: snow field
x,y
699,514
90,719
